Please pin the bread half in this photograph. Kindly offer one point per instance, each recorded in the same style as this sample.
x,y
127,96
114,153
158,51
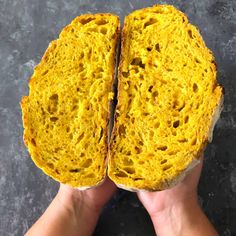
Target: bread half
x,y
168,100
65,116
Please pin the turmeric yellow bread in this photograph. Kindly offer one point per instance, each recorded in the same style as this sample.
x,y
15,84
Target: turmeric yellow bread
x,y
65,116
168,100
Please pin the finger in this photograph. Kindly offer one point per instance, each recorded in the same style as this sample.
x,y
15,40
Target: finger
x,y
106,185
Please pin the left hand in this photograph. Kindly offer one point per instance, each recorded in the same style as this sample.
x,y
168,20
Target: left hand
x,y
93,199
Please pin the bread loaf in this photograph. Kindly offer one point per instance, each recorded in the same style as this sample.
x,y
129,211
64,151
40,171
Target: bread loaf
x,y
65,116
168,100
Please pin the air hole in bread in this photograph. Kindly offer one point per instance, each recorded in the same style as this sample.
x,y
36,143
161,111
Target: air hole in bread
x,y
53,119
33,142
128,153
54,97
167,167
57,171
195,87
84,21
44,73
193,142
137,61
122,130
140,143
103,30
128,103
101,22
157,47
76,170
163,161
174,132
125,74
138,150
87,163
81,136
129,170
121,174
128,162
82,154
197,105
151,133
146,114
99,69
186,119
141,162
81,56
56,150
53,102
71,136
150,88
139,178
149,49
132,121
175,104
157,125
176,124
151,21
190,33
197,60
42,111
155,95
50,165
80,67
182,140
89,53
162,148
181,106
100,135
172,152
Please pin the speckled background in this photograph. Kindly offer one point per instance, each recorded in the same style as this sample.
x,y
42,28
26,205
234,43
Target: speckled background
x,y
26,28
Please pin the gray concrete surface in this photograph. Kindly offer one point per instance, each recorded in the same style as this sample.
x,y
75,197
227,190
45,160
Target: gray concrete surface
x,y
26,28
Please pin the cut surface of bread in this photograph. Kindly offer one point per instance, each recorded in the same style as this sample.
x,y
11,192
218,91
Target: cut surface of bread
x,y
168,100
65,116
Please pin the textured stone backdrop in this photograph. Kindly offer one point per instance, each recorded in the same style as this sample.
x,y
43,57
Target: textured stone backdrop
x,y
26,28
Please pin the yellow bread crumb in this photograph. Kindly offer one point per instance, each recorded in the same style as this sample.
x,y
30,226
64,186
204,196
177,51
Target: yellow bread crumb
x,y
167,99
65,116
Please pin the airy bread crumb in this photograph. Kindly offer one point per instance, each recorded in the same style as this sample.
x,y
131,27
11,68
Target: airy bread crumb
x,y
66,114
167,96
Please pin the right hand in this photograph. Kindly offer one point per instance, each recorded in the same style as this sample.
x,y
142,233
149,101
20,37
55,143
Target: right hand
x,y
156,202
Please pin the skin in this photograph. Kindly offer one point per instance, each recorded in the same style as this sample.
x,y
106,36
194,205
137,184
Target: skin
x,y
176,211
173,212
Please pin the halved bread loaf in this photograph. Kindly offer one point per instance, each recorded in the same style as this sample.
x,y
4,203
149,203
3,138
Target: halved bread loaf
x,y
65,116
168,100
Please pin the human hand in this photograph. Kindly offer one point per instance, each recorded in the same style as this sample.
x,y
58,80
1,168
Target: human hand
x,y
175,211
93,199
156,202
73,212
